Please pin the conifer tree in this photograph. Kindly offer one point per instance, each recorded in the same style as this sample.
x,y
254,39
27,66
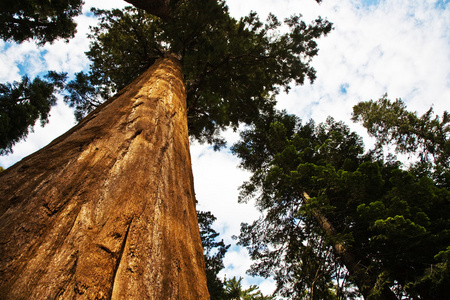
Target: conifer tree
x,y
352,218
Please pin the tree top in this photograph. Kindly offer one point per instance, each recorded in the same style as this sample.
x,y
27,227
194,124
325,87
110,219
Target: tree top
x,y
232,68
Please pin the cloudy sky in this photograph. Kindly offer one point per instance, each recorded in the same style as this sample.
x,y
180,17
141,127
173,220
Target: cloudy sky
x,y
399,47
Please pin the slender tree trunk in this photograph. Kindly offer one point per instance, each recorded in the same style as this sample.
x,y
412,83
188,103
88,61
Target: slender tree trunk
x,y
358,273
107,210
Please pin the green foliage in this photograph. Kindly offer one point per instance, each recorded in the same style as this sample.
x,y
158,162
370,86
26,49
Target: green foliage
x,y
288,158
43,21
22,103
235,291
436,280
214,253
82,95
232,68
391,124
394,222
1,169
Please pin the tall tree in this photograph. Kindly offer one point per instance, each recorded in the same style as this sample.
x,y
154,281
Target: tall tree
x,y
112,213
385,226
108,209
246,61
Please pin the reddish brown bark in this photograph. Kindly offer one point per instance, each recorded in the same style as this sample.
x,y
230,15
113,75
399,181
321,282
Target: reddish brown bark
x,y
107,210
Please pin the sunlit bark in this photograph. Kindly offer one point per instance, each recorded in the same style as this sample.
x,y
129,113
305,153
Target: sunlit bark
x,y
107,210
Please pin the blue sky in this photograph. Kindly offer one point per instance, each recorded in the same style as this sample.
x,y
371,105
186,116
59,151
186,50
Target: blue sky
x,y
399,47
368,3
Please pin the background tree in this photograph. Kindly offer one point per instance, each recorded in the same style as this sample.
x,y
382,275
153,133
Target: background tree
x,y
214,251
393,220
22,103
286,242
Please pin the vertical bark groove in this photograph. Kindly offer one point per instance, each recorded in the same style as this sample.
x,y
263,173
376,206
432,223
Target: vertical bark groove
x,y
119,257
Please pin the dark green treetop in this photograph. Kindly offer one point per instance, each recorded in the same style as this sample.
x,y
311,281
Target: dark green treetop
x,y
22,103
232,68
394,221
43,21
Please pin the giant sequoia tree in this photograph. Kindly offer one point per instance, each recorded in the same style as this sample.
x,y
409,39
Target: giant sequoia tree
x,y
336,218
107,210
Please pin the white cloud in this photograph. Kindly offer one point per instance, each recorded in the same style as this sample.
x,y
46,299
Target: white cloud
x,y
216,178
398,47
9,71
70,57
61,120
17,56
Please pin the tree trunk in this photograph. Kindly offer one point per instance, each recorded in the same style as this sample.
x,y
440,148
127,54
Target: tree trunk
x,y
356,271
107,210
